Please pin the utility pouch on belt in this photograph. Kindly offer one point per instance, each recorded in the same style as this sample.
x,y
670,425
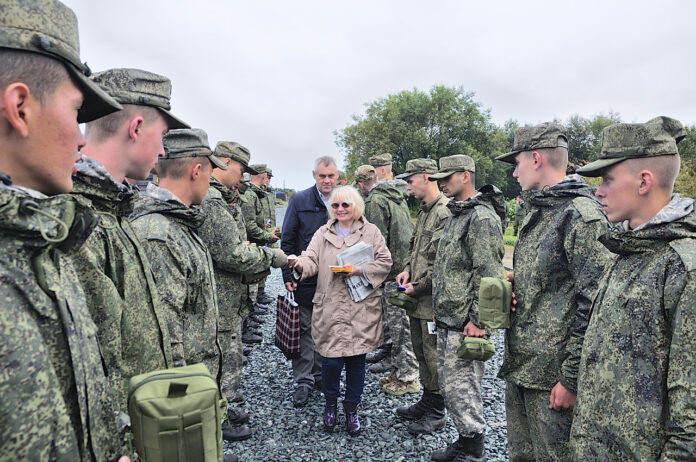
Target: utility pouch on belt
x,y
176,415
495,296
400,299
475,349
253,278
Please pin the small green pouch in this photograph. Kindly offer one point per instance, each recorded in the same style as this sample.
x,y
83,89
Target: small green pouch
x,y
476,349
400,299
253,278
495,297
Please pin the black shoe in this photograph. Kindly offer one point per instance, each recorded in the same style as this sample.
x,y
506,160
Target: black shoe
x,y
256,319
246,351
434,419
264,298
377,355
382,367
251,338
253,324
415,411
240,433
260,310
470,449
230,458
237,417
329,416
237,398
301,396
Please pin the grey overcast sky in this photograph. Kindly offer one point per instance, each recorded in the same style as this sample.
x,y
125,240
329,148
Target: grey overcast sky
x,y
281,76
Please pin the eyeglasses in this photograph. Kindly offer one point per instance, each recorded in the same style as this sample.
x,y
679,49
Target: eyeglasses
x,y
345,205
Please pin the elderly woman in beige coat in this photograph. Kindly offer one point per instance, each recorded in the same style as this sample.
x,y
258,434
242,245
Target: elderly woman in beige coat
x,y
344,331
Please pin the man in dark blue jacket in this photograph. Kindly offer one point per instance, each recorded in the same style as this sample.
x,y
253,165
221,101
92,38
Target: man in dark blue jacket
x,y
306,213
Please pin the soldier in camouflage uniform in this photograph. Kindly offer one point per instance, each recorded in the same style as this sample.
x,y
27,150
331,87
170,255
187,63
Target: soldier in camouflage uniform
x,y
386,208
471,248
383,168
637,388
558,261
166,223
113,268
54,399
232,257
429,412
520,213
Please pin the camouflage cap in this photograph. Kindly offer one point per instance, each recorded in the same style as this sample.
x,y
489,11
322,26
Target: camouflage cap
x,y
365,174
235,151
452,164
49,28
546,135
135,86
260,168
415,166
269,172
189,142
381,160
656,137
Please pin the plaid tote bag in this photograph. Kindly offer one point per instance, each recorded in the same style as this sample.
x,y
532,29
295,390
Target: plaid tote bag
x,y
287,336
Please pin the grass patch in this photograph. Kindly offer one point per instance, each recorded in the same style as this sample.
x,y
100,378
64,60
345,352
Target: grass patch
x,y
508,238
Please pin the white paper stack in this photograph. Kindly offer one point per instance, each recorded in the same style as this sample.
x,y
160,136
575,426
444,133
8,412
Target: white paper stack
x,y
358,285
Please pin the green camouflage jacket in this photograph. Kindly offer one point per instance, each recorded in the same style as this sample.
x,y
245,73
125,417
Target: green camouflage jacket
x,y
558,262
386,208
118,283
399,184
183,271
268,206
471,247
231,255
637,386
55,402
236,199
254,216
421,254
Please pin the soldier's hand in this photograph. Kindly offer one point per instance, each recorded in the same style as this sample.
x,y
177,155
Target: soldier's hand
x,y
402,278
513,303
279,259
290,286
470,330
124,459
409,289
561,399
274,237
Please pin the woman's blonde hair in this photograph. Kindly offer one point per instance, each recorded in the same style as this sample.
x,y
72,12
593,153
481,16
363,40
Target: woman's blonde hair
x,y
350,195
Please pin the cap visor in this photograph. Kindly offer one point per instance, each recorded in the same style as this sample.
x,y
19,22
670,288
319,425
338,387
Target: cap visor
x,y
97,103
250,170
440,176
595,168
508,157
173,122
217,162
403,176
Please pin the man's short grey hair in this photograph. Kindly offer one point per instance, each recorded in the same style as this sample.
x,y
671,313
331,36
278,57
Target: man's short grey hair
x,y
324,160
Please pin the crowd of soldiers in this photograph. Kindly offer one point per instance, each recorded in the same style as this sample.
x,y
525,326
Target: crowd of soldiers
x,y
101,280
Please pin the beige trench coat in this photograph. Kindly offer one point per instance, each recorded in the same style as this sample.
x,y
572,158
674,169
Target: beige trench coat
x,y
340,326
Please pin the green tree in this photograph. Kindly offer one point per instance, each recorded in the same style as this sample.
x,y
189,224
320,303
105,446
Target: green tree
x,y
411,124
585,136
686,181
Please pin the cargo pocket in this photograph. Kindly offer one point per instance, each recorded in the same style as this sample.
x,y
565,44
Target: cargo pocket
x,y
193,435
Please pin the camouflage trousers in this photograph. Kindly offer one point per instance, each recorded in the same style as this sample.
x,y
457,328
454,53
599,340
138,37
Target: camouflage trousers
x,y
535,432
460,383
232,358
425,349
402,356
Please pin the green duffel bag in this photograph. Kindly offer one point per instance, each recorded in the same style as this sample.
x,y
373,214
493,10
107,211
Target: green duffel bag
x,y
476,349
495,297
400,299
176,415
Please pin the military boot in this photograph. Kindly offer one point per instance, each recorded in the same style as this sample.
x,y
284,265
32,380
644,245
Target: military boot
x,y
235,433
415,411
449,453
379,354
265,298
381,367
237,416
434,418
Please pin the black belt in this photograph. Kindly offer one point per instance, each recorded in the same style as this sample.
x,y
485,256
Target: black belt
x,y
442,325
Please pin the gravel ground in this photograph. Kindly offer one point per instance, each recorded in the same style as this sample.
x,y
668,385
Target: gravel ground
x,y
281,432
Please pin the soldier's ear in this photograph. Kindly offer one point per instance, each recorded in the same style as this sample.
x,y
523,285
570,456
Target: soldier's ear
x,y
18,107
647,182
135,126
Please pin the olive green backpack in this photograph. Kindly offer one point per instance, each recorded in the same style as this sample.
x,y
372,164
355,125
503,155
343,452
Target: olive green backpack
x,y
495,296
475,349
176,415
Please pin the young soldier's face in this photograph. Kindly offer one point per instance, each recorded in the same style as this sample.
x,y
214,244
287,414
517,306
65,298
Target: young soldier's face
x,y
525,171
57,141
150,148
452,185
619,192
418,185
201,184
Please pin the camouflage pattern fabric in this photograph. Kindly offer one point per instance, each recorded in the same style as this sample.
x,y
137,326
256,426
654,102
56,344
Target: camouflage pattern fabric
x,y
460,383
183,271
402,355
236,199
637,389
425,349
231,258
540,434
268,208
118,283
558,262
55,400
520,213
422,249
254,216
471,247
